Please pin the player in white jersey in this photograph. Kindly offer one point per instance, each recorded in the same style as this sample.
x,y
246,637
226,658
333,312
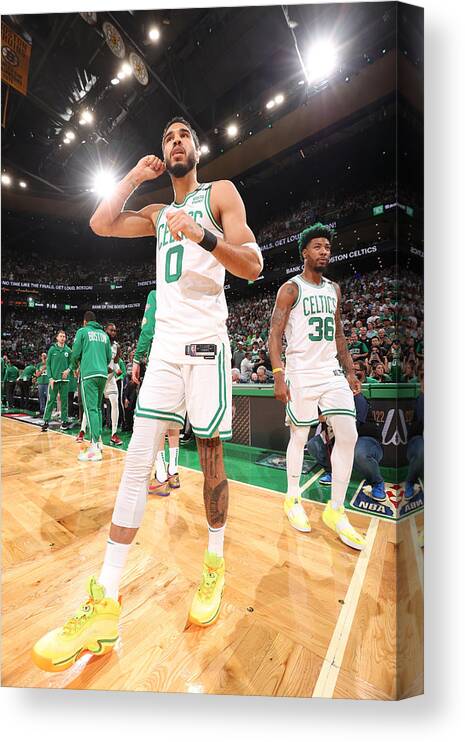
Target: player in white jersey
x,y
308,311
202,233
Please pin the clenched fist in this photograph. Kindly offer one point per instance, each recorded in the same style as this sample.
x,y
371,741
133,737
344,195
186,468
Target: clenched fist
x,y
148,168
180,223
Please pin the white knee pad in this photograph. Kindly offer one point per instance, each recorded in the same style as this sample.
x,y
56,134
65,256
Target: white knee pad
x,y
132,492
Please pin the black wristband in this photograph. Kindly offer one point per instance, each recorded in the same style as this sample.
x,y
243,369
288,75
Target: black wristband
x,y
209,241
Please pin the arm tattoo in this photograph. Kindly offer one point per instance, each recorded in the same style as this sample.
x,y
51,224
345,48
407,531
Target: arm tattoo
x,y
215,488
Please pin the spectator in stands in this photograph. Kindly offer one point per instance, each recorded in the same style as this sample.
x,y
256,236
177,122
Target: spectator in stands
x,y
238,355
246,367
379,374
409,376
357,349
262,376
236,376
375,356
263,360
371,332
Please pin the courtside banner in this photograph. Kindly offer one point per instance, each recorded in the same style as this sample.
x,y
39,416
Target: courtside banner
x,y
16,55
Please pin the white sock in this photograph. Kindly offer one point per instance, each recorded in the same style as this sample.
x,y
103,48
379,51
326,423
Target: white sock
x,y
112,568
161,467
84,422
216,540
173,465
295,458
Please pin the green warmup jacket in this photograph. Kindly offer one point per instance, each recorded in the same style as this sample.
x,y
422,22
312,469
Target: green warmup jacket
x,y
122,366
147,328
43,378
58,361
11,373
28,373
92,349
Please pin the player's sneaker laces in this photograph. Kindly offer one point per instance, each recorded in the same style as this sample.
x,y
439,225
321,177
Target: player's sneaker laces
x,y
206,603
92,453
94,628
326,478
337,520
296,514
162,489
115,440
80,437
174,481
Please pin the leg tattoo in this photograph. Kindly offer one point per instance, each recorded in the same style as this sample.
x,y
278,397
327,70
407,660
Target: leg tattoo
x,y
215,487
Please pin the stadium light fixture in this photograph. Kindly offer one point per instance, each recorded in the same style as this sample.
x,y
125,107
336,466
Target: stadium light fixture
x,y
154,34
115,81
66,140
320,60
270,104
205,149
104,183
6,180
278,99
232,130
22,184
70,135
86,118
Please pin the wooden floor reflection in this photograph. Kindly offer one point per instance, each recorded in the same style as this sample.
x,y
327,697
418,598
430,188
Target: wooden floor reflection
x,y
302,614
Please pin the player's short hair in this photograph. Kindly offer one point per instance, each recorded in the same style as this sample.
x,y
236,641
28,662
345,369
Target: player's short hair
x,y
89,316
181,120
316,230
60,330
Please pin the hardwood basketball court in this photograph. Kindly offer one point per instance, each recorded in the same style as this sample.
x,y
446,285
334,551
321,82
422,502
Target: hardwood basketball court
x,y
302,614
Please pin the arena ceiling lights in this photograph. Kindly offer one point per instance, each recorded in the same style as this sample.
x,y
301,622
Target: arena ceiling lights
x,y
320,61
104,183
154,34
232,131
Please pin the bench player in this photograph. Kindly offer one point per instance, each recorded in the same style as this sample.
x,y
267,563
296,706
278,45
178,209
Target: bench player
x,y
319,374
200,235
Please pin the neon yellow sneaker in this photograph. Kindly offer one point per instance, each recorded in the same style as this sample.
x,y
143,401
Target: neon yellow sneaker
x,y
206,604
94,628
296,514
337,520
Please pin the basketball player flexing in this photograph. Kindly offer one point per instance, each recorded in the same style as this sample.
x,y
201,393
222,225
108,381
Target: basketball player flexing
x,y
202,233
308,311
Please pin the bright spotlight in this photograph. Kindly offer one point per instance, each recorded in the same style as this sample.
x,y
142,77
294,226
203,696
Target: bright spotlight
x,y
205,149
154,34
6,180
66,140
121,75
70,135
86,117
232,130
22,184
104,183
126,68
320,61
279,99
270,104
115,81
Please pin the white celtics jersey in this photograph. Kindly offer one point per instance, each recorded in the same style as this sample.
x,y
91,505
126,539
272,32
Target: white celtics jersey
x,y
191,305
112,364
310,330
